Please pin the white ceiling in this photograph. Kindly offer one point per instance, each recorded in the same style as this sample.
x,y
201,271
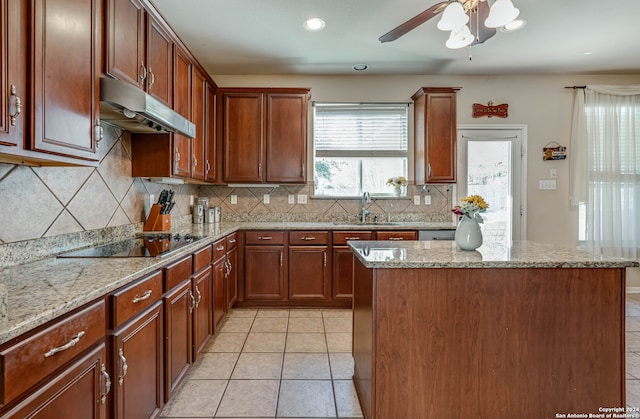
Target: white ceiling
x,y
266,37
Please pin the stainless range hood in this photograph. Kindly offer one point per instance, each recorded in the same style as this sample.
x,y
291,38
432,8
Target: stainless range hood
x,y
130,108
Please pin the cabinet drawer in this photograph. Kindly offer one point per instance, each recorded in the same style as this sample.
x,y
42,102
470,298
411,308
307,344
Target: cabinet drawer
x,y
33,359
264,237
202,258
219,249
134,298
308,237
396,235
232,241
342,237
177,272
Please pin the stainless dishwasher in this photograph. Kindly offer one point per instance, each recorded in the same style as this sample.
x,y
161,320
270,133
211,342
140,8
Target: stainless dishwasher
x,y
436,234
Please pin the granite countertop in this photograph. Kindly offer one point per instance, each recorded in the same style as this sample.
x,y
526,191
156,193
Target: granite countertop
x,y
445,254
34,293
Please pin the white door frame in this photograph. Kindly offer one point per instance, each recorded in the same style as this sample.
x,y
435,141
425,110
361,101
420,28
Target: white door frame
x,y
522,128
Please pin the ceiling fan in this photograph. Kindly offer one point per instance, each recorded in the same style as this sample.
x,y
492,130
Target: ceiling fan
x,y
483,21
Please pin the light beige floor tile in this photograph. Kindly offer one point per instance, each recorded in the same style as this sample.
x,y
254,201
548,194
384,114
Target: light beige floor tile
x,y
632,324
280,312
226,342
337,312
306,325
305,313
258,366
337,324
633,310
306,342
242,312
633,364
341,365
196,398
347,399
633,393
339,342
265,342
270,324
309,366
632,341
306,398
214,366
237,324
249,398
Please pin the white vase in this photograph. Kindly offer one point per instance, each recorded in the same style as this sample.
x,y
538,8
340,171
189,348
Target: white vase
x,y
397,190
468,234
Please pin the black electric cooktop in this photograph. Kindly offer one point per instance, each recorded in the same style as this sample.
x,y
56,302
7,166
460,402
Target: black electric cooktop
x,y
146,245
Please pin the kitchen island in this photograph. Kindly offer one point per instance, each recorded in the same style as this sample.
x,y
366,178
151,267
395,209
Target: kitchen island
x,y
525,330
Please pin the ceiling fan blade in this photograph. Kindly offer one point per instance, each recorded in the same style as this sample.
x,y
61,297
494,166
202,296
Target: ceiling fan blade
x,y
477,21
413,23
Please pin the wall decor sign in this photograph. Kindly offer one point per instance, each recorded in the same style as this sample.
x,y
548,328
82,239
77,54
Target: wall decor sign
x,y
554,151
490,110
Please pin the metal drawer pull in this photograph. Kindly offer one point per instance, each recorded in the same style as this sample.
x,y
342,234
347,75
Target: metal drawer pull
x,y
352,238
107,384
144,296
395,238
125,367
232,241
193,302
199,296
220,248
17,105
265,238
308,238
64,347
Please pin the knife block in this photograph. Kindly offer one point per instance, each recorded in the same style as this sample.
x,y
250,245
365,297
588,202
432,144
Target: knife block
x,y
156,221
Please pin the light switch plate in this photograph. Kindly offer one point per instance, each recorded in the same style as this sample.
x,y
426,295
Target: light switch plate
x,y
292,198
427,199
553,173
265,198
416,199
234,199
547,185
302,198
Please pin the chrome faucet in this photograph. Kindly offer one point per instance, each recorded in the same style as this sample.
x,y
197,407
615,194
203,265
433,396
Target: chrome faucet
x,y
366,199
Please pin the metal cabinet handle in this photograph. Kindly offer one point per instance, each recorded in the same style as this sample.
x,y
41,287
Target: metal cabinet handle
x,y
143,297
220,248
428,170
193,302
176,156
232,241
303,167
17,105
199,297
194,161
125,367
308,238
98,133
142,72
324,254
207,166
265,238
152,78
230,267
259,169
107,384
280,258
64,347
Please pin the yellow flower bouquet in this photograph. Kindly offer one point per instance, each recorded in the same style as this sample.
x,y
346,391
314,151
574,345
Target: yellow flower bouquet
x,y
471,206
397,181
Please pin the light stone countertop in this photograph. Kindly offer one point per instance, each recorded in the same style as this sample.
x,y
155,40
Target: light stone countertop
x,y
445,254
34,293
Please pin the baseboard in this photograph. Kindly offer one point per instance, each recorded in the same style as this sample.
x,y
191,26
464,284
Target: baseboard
x,y
633,290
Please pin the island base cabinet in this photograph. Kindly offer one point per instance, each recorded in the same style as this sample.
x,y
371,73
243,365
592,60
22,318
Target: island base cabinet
x,y
78,392
488,343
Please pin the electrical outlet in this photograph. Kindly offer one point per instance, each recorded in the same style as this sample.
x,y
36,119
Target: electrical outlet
x,y
416,199
265,198
191,200
553,173
427,199
149,201
302,198
234,199
292,198
547,185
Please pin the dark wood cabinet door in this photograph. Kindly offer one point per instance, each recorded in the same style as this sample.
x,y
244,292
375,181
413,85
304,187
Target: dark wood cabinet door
x,y
342,273
243,139
124,39
78,392
213,156
182,104
203,310
159,81
198,158
219,293
309,273
264,273
13,71
138,366
178,306
286,138
65,120
232,277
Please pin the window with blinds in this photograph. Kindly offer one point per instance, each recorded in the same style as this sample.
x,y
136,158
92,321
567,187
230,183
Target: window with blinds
x,y
357,147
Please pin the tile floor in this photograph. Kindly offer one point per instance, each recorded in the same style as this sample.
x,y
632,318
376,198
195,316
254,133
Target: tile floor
x,y
298,364
273,364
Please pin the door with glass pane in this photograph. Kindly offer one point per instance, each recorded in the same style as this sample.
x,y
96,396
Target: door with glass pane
x,y
491,164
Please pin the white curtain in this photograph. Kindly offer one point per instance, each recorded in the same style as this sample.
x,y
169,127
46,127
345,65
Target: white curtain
x,y
605,167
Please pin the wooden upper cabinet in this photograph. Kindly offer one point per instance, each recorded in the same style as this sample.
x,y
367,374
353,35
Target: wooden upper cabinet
x,y
139,50
264,134
435,135
213,148
286,137
13,71
65,77
198,97
182,71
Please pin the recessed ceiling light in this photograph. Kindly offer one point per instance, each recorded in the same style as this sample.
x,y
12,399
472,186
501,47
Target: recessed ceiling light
x,y
314,24
588,53
360,67
513,26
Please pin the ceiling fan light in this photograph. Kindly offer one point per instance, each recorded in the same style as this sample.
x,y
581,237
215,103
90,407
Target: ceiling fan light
x,y
453,17
502,12
460,38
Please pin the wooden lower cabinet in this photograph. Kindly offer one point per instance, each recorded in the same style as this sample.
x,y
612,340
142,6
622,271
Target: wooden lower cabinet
x,y
219,293
178,305
309,273
264,273
77,392
203,310
231,277
137,354
342,273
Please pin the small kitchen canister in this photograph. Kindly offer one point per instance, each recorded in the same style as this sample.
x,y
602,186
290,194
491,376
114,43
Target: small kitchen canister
x,y
212,216
198,214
